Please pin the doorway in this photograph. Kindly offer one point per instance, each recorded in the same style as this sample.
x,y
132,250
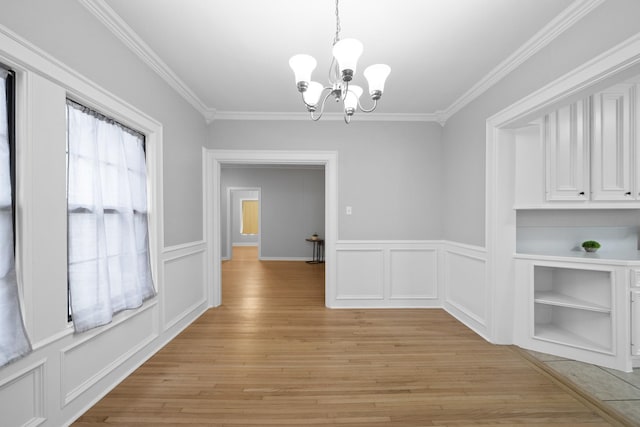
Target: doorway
x,y
238,199
213,160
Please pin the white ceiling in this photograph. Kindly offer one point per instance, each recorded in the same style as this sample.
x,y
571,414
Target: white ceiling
x,y
230,58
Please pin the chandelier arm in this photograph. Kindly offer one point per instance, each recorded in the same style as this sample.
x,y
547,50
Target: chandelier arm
x,y
364,110
313,107
324,101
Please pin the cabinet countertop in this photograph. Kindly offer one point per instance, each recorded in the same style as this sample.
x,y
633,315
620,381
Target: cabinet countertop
x,y
626,258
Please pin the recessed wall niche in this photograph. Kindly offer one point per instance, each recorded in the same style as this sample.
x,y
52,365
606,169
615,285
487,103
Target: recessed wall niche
x,y
560,232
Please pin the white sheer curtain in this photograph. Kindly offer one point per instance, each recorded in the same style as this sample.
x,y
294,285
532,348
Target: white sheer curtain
x,y
109,268
13,338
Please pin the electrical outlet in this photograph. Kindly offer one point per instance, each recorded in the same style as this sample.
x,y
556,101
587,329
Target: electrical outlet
x,y
349,210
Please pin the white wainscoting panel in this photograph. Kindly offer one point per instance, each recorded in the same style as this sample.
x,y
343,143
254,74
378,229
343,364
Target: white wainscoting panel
x,y
360,274
184,264
28,384
389,273
414,273
467,292
82,365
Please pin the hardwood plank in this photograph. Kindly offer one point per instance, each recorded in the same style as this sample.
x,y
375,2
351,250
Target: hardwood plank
x,y
272,354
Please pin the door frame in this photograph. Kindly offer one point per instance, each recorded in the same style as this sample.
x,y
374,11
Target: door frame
x,y
212,161
229,242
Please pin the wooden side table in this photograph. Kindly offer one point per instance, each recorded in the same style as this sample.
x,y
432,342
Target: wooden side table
x,y
318,251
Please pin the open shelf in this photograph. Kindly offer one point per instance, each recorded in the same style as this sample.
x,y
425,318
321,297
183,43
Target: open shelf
x,y
562,300
573,307
555,334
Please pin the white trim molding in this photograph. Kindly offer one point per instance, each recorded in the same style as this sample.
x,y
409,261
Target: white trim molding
x,y
141,330
179,251
212,161
105,14
298,116
565,20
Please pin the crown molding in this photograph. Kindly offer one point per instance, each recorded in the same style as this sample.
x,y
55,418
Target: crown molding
x,y
562,22
378,117
101,10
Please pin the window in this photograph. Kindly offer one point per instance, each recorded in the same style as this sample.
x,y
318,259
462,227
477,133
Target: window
x,y
13,338
249,217
109,268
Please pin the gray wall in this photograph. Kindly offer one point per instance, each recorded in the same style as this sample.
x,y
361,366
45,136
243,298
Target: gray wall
x,y
66,30
464,135
389,172
235,220
292,207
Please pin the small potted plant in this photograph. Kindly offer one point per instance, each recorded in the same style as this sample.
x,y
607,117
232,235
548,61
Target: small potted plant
x,y
590,245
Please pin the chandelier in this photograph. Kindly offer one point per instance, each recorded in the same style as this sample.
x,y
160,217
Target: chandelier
x,y
346,53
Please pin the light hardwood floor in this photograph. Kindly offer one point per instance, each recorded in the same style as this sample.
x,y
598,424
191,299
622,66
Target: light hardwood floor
x,y
272,354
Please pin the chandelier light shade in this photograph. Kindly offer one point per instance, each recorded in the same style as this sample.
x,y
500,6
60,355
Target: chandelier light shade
x,y
302,66
351,99
346,53
313,93
376,75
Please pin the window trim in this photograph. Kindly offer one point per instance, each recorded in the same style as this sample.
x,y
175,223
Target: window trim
x,y
11,109
107,210
31,64
10,91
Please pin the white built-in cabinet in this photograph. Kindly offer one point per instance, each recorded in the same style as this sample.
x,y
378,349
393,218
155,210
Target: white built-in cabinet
x,y
573,307
576,309
566,137
580,157
591,148
612,168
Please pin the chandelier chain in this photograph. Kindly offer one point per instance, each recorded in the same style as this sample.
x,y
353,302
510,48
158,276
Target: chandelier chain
x,y
336,39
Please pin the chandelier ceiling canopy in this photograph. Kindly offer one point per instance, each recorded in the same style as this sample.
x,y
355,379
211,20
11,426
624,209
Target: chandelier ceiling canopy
x,y
346,53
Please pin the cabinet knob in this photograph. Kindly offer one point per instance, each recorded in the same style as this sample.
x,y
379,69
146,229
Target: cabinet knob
x,y
628,193
581,193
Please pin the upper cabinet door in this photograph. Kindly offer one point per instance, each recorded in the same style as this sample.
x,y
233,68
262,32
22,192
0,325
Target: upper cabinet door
x,y
611,144
567,153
